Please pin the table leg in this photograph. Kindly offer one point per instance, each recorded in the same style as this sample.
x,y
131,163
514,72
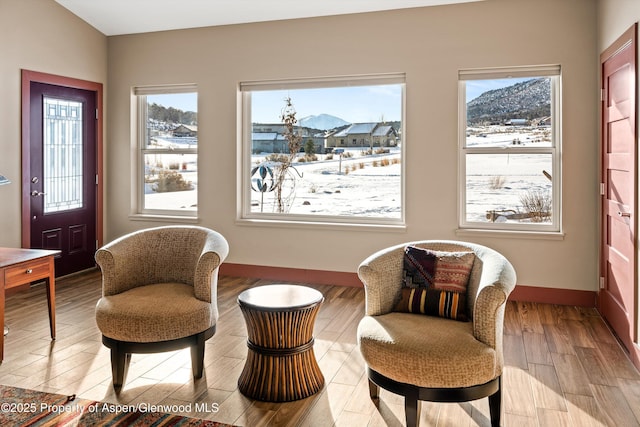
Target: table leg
x,y
2,317
51,303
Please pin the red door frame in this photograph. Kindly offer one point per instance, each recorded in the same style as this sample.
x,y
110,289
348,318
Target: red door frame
x,y
35,76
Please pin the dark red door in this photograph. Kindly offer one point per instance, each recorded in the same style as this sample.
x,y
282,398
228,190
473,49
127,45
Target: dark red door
x,y
617,297
62,175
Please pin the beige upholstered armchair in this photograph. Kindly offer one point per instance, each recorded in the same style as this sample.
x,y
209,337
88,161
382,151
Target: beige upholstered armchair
x,y
428,357
159,293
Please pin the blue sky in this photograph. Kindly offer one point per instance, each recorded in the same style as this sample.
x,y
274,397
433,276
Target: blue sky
x,y
355,104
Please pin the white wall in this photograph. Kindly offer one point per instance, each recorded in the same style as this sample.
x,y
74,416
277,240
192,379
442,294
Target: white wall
x,y
37,35
429,45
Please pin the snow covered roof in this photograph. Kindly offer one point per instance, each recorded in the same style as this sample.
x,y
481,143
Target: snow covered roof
x,y
263,136
357,128
382,130
192,128
362,127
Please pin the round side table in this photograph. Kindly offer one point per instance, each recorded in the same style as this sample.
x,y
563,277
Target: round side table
x,y
281,365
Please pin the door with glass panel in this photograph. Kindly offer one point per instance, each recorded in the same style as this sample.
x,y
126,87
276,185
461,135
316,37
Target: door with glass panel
x,y
62,174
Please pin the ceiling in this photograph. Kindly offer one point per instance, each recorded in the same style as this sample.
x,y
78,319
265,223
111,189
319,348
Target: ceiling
x,y
115,17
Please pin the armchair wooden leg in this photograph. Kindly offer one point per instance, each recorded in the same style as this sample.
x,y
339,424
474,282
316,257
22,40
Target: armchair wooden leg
x,y
412,410
197,356
119,366
495,405
374,390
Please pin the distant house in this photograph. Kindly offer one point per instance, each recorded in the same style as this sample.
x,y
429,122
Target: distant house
x,y
269,138
364,135
385,136
517,122
268,127
185,131
544,121
268,142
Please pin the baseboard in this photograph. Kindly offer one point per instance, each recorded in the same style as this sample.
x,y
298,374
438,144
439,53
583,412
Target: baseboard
x,y
634,354
323,277
554,296
320,277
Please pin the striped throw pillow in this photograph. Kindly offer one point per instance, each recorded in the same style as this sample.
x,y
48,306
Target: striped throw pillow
x,y
433,302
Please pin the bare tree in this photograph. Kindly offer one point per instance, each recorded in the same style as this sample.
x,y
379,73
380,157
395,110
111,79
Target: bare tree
x,y
294,140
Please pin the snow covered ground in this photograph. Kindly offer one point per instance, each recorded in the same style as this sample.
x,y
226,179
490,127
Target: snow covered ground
x,y
361,186
497,182
350,187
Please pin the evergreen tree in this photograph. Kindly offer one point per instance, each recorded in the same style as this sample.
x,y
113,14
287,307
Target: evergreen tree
x,y
309,148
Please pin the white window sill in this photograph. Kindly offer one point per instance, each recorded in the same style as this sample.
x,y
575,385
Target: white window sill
x,y
511,234
165,218
352,226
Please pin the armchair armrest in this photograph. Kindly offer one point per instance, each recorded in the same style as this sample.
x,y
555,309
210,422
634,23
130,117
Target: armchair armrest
x,y
205,281
120,262
498,279
381,274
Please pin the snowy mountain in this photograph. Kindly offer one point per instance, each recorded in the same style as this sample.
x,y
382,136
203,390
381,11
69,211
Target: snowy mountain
x,y
526,100
322,121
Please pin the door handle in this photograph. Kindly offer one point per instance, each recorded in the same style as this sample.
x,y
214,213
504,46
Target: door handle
x,y
36,193
624,214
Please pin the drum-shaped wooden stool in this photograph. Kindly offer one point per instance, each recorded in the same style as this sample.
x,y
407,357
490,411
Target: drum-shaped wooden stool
x,y
281,365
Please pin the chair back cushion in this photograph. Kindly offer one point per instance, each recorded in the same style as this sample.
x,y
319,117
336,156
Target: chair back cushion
x,y
168,254
161,255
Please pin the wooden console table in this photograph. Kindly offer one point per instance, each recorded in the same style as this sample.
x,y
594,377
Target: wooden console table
x,y
22,266
281,365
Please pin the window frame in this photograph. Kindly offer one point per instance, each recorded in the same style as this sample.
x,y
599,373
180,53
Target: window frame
x,y
548,71
244,215
139,100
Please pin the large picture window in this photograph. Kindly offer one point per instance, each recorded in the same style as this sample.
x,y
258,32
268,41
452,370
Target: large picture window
x,y
167,170
323,150
510,168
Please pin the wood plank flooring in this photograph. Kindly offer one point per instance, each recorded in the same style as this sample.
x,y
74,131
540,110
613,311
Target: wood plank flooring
x,y
563,365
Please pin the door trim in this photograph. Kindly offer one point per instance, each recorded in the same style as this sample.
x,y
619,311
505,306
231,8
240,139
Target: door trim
x,y
28,77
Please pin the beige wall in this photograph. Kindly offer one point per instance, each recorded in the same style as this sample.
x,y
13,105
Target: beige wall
x,y
614,18
37,35
429,45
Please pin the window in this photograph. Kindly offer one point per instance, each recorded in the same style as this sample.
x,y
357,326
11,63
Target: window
x,y
510,149
167,173
323,150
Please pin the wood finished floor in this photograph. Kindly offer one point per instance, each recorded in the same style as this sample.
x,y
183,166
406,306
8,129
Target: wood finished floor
x,y
563,366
